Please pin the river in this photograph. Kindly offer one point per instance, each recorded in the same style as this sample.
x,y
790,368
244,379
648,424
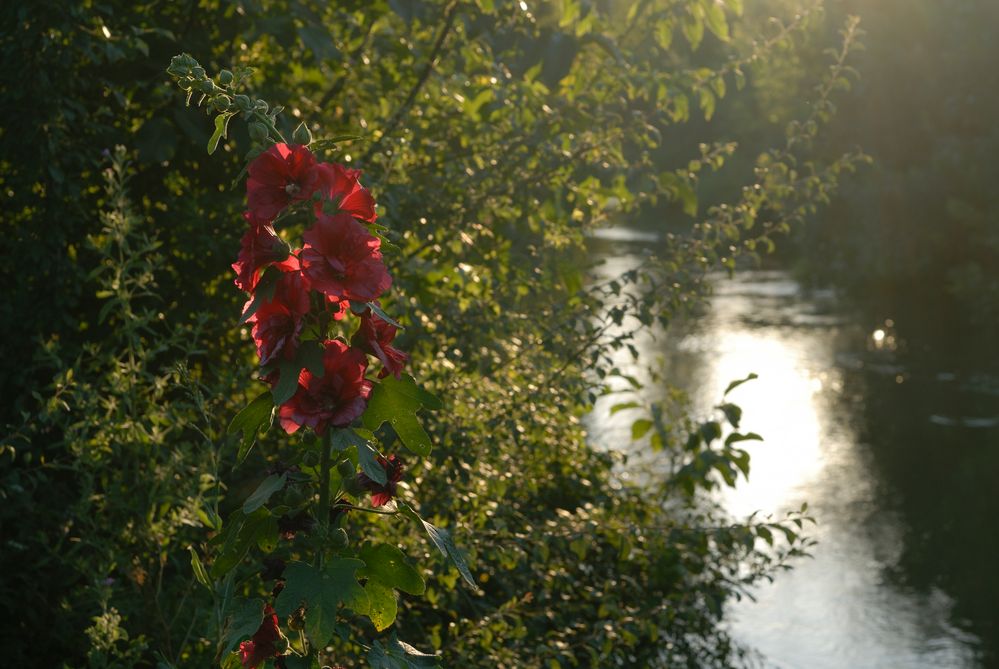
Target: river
x,y
896,457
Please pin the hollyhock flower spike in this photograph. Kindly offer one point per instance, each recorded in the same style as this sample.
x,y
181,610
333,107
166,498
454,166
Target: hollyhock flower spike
x,y
382,494
343,261
333,400
338,184
264,642
374,337
260,246
278,177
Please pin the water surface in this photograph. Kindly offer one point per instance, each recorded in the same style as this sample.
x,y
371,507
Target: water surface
x,y
892,455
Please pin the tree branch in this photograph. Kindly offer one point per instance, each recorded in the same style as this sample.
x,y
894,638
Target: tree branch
x,y
401,112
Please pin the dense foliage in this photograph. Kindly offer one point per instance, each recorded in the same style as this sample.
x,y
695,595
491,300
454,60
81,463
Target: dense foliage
x,y
494,137
916,239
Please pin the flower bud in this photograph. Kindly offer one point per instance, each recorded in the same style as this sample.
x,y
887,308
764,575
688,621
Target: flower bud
x,y
243,103
296,621
346,469
207,86
225,77
258,132
221,102
198,72
302,135
338,538
260,106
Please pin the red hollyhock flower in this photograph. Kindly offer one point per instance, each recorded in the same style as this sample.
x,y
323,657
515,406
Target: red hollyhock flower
x,y
381,494
263,644
341,185
259,248
342,261
278,177
278,323
374,337
334,399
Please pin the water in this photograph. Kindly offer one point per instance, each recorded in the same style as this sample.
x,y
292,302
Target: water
x,y
895,457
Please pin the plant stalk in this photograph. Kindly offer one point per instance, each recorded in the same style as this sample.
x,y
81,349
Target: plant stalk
x,y
324,500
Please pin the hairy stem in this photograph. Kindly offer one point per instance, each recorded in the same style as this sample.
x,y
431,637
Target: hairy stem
x,y
324,500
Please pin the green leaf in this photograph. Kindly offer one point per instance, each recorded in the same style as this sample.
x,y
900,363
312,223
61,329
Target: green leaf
x,y
733,413
383,606
342,439
244,618
396,654
199,569
263,293
441,538
268,487
639,428
384,316
735,384
387,565
714,16
239,534
310,356
736,437
321,592
288,373
367,457
221,126
232,661
396,401
249,421
693,30
622,406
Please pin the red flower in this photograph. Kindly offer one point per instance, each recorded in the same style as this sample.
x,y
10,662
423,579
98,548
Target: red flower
x,y
342,260
263,643
374,337
278,177
277,323
341,185
260,247
334,399
381,494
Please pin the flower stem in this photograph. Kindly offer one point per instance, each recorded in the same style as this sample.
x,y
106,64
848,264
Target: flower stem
x,y
351,507
324,500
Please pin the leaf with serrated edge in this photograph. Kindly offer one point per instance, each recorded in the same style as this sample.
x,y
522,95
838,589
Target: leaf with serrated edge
x,y
387,564
244,618
322,593
396,401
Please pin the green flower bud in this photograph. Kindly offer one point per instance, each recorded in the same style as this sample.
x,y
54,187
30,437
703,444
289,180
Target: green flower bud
x,y
198,72
339,538
260,106
258,132
225,77
296,621
221,102
207,86
346,469
302,135
243,103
